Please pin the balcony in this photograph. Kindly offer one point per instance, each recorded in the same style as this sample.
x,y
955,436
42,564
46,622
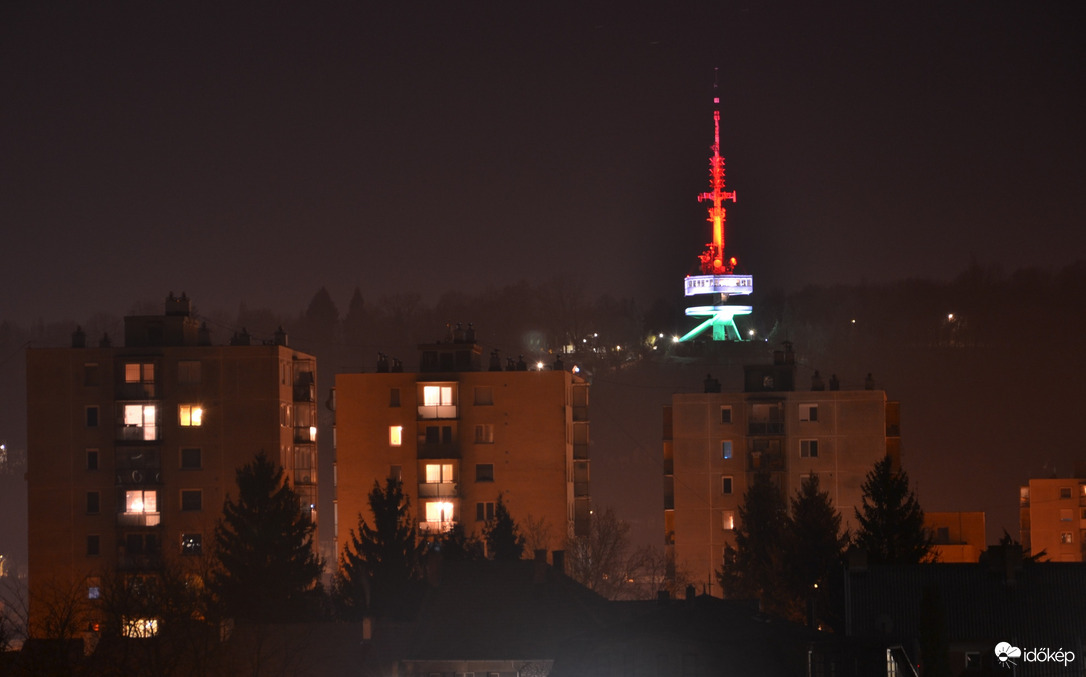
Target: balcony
x,y
137,433
437,411
765,427
138,561
766,461
434,450
580,451
136,391
305,392
138,519
305,434
438,490
580,414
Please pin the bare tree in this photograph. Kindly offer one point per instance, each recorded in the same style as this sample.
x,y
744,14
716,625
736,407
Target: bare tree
x,y
602,561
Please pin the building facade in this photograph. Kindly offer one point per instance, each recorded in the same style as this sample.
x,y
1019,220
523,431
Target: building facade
x,y
132,450
1053,518
458,437
715,442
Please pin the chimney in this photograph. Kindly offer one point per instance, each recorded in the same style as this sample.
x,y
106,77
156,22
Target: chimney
x,y
558,561
79,338
280,336
203,335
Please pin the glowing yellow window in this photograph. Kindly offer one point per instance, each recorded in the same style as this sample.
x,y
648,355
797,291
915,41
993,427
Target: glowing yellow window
x,y
395,435
192,415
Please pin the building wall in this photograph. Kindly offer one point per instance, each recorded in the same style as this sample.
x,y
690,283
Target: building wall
x,y
519,423
767,430
249,404
959,536
1054,518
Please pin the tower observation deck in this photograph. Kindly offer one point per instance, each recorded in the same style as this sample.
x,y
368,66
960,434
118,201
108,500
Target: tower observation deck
x,y
717,282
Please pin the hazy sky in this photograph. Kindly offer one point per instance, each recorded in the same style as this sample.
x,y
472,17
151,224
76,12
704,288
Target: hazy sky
x,y
256,151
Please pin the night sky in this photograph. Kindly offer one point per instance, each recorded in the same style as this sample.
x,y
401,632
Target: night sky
x,y
256,151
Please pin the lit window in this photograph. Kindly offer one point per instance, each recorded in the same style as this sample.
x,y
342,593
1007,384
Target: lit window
x,y
94,591
484,512
726,484
484,396
439,516
726,414
192,500
395,435
191,458
808,448
139,372
192,544
438,402
139,628
728,520
726,449
434,396
1065,538
484,472
484,433
808,412
143,504
139,422
439,473
192,415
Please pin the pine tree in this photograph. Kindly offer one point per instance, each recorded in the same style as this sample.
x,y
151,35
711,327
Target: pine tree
x,y
380,568
503,538
753,569
813,548
268,568
891,522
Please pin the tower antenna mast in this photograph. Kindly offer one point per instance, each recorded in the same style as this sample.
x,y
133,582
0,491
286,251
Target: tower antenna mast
x,y
713,261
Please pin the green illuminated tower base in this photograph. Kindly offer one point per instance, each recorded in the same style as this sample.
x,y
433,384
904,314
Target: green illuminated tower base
x,y
720,318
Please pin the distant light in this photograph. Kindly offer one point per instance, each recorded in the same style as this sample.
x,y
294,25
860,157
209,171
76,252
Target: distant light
x,y
659,336
674,339
854,321
618,347
950,316
576,369
539,366
584,340
751,332
595,335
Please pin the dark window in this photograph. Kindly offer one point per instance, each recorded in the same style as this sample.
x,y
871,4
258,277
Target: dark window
x,y
1065,492
484,512
808,448
92,417
92,459
90,374
484,396
725,414
395,472
484,472
192,544
191,458
394,397
446,434
433,435
726,484
94,545
192,499
94,503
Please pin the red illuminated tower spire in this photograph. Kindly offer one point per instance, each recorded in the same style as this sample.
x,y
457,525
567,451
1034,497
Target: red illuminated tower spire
x,y
713,261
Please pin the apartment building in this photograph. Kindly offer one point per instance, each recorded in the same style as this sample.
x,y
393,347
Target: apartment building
x,y
458,436
1053,517
715,441
132,450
